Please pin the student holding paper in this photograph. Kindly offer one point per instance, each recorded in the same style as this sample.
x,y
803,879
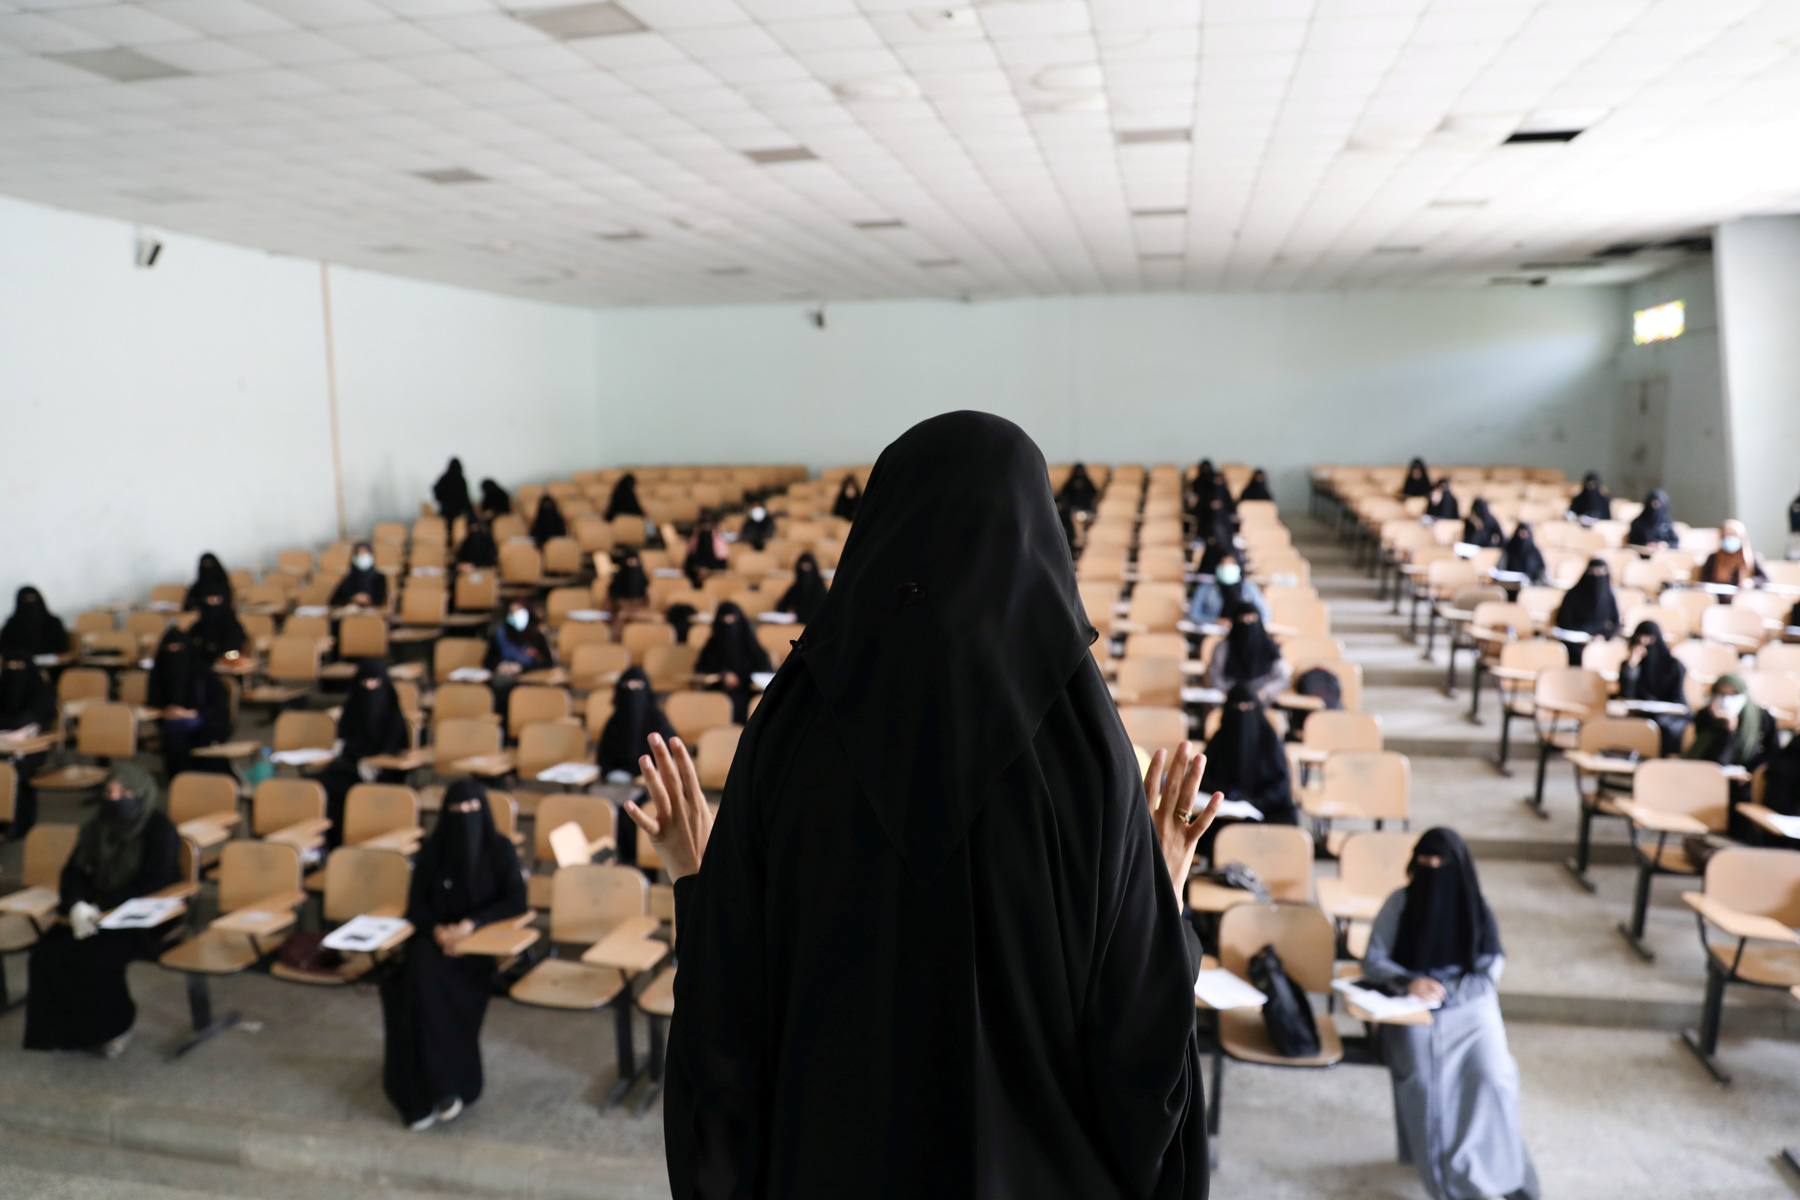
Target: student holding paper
x,y
27,703
195,703
1456,1086
78,998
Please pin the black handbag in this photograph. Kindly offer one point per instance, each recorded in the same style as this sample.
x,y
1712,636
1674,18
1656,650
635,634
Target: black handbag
x,y
1286,1013
1237,875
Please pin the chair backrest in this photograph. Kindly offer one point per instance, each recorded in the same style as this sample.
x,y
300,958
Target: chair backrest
x,y
464,737
47,850
1157,613
278,803
82,683
108,731
1282,855
693,713
298,563
1538,654
639,636
1338,730
1154,727
712,759
544,744
1604,656
1301,934
1764,883
1156,645
451,654
1706,661
198,793
1734,621
587,902
1620,733
592,662
1777,691
1774,656
251,871
462,700
1374,863
358,881
300,729
476,591
593,813
1376,784
1684,785
1302,651
530,703
372,809
1572,686
423,600
670,666
562,556
1502,615
316,627
293,658
363,636
9,790
1150,681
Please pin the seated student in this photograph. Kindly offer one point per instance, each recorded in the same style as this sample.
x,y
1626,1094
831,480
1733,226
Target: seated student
x,y
1456,1086
451,491
1589,607
478,551
1734,562
758,528
27,704
495,502
848,498
209,578
635,716
1781,779
624,499
518,645
32,629
1210,493
1652,528
1793,542
1440,503
1733,730
1245,761
1227,589
1078,490
371,724
1257,488
1418,479
362,586
1591,503
706,550
194,701
628,591
549,521
807,593
1651,672
1480,527
1521,555
1247,654
78,998
217,633
730,657
466,876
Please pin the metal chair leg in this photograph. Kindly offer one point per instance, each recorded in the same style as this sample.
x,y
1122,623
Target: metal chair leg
x,y
1640,908
1704,1042
201,1014
1537,792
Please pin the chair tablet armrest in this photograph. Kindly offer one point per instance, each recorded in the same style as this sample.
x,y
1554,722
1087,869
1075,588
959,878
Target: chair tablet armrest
x,y
176,891
1516,673
396,909
1765,817
1559,706
1658,821
1738,924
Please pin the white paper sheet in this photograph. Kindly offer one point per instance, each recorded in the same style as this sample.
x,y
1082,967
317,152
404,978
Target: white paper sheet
x,y
144,912
1202,695
1378,1004
302,758
666,573
164,606
1219,988
570,773
362,934
761,679
46,660
312,610
588,615
1654,706
469,675
1789,826
777,618
1242,810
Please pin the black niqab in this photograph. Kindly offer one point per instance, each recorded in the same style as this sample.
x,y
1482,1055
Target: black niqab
x,y
635,716
804,596
1418,479
1250,652
494,499
849,497
732,646
1480,527
1522,556
1245,759
26,697
1653,524
32,629
372,721
1589,606
1660,676
451,491
629,581
218,631
1446,923
478,548
1078,490
1442,505
457,859
178,672
549,521
624,499
1257,488
1591,501
210,578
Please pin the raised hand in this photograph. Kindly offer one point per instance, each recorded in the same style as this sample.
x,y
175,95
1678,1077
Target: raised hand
x,y
680,821
1170,795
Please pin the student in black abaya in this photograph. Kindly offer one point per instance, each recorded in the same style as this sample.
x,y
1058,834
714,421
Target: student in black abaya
x,y
635,716
363,586
1522,556
1589,607
1078,490
27,701
628,591
849,497
372,723
730,657
32,629
706,549
1441,503
1652,528
78,998
451,491
495,502
1480,527
1591,503
517,645
549,521
217,633
1418,479
806,594
937,767
758,528
624,499
1651,672
1245,761
1781,779
432,1004
477,551
194,701
209,578
1248,655
1257,488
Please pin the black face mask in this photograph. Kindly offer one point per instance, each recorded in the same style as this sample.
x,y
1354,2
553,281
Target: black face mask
x,y
124,808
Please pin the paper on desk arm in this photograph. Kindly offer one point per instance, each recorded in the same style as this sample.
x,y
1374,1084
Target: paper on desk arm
x,y
142,912
1219,988
362,933
469,675
569,773
305,757
1788,827
1379,1005
1241,810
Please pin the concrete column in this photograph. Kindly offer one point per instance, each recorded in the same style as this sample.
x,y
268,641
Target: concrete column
x,y
1757,260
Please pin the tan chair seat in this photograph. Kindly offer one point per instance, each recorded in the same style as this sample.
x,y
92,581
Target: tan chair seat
x,y
214,952
560,983
16,933
1671,857
537,890
1763,962
1207,896
353,967
1245,1038
73,777
659,998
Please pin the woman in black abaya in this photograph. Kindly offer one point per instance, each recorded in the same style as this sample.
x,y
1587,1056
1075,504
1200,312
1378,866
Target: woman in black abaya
x,y
451,491
730,657
495,502
371,724
1418,479
807,593
1248,655
1480,527
32,629
1522,556
1591,503
1651,672
625,739
477,551
1257,488
433,1002
1590,608
1078,490
217,633
758,527
937,767
624,499
26,700
1652,528
208,579
849,497
1441,503
195,703
549,521
1245,761
628,591
362,585
78,998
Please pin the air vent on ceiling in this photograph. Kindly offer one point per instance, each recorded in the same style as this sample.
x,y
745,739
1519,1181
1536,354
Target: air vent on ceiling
x,y
451,175
1143,137
582,21
934,263
883,223
781,154
623,235
1526,137
121,65
1159,212
728,270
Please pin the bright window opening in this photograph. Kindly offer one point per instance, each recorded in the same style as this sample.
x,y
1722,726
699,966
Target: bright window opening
x,y
1659,324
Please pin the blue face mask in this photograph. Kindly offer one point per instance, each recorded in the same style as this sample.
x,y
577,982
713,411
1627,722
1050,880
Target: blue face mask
x,y
1730,545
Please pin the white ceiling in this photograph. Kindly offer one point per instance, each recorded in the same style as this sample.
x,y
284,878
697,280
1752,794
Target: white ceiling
x,y
1005,148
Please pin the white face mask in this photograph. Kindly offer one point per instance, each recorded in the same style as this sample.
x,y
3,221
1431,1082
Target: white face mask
x,y
1731,545
363,562
1730,707
1228,574
758,513
518,619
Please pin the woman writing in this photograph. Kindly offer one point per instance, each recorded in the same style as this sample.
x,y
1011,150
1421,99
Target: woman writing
x,y
27,706
517,646
217,633
32,629
1521,557
78,998
1651,673
1733,730
1440,503
1245,761
371,724
194,702
806,595
432,1005
1589,610
1480,527
363,586
1456,1086
1248,655
730,657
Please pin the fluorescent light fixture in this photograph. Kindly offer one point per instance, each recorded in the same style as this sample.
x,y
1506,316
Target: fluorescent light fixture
x,y
1526,137
1398,249
119,65
451,175
883,223
1659,323
932,264
1159,212
781,154
582,21
1141,137
623,235
877,89
1458,202
728,270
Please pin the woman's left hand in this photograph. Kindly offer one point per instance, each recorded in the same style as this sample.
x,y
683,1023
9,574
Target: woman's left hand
x,y
1171,796
449,935
679,823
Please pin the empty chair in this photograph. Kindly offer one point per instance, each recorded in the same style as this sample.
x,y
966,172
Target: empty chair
x,y
299,729
107,731
1152,681
596,819
1281,856
693,713
1154,727
1563,698
713,755
1671,799
291,811
1749,906
382,816
1370,785
546,744
528,704
457,739
586,904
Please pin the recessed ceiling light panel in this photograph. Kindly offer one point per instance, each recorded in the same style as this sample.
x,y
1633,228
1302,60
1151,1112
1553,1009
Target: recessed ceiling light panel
x,y
582,21
451,175
781,154
119,65
1146,137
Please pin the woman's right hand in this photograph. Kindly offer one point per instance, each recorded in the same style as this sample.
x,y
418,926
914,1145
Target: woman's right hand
x,y
1171,796
1427,989
680,821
